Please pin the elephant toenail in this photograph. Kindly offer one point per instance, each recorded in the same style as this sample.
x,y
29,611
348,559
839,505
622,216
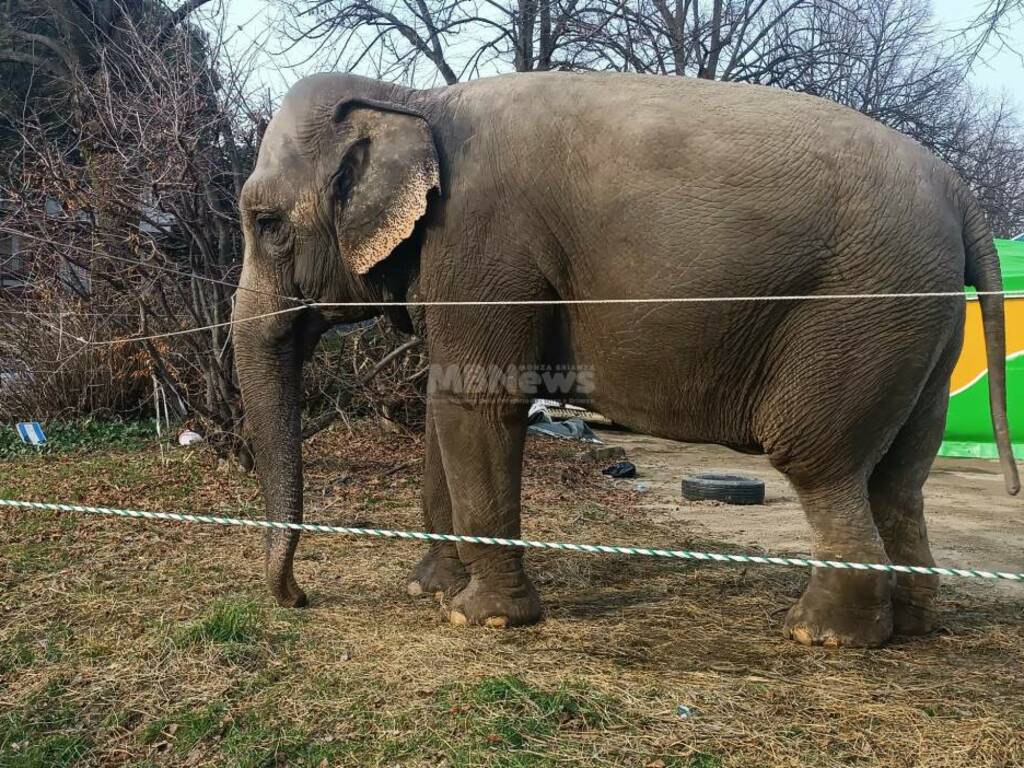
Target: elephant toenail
x,y
414,588
439,595
802,636
831,641
496,622
458,618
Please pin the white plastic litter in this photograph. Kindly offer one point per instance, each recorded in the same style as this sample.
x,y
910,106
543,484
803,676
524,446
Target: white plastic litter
x,y
188,437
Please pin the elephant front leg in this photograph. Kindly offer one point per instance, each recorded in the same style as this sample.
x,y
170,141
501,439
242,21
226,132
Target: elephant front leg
x,y
842,607
440,573
482,450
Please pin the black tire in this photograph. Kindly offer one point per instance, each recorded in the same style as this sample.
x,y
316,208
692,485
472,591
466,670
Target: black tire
x,y
729,489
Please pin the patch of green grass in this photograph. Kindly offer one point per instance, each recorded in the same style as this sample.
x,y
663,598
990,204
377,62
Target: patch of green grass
x,y
34,557
59,641
696,760
48,751
520,711
30,523
16,653
23,650
495,718
236,625
89,435
245,740
44,734
228,621
187,727
252,743
503,722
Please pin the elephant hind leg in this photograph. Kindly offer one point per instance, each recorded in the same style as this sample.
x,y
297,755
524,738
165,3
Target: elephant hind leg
x,y
897,504
840,607
828,463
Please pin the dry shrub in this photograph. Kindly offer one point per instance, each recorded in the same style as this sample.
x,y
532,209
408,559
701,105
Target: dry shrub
x,y
367,370
50,374
125,210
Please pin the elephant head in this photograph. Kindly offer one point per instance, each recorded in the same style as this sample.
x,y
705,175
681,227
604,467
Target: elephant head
x,y
343,175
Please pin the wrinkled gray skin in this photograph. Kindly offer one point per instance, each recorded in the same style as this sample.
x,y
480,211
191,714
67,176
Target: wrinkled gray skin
x,y
564,186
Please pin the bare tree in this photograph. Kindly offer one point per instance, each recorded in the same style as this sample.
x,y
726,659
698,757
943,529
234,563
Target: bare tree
x,y
988,152
458,39
896,67
748,40
130,188
991,26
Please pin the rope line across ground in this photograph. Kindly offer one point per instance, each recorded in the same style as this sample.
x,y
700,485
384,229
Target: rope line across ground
x,y
384,533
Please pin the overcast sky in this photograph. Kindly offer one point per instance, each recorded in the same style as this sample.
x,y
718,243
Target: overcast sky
x,y
1000,71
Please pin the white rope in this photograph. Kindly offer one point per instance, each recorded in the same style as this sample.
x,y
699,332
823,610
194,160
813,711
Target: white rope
x,y
672,300
557,303
385,533
182,332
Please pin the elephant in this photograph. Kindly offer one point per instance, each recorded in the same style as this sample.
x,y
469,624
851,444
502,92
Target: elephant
x,y
583,221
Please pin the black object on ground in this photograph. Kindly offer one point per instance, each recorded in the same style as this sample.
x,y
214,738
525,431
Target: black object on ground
x,y
620,469
731,489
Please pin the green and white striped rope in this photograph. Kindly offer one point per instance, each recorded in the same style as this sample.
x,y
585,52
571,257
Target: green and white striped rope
x,y
604,549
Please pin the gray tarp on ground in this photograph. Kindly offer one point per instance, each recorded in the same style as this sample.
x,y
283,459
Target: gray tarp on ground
x,y
573,429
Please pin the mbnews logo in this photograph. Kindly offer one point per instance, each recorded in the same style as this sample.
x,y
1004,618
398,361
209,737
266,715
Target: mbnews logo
x,y
525,381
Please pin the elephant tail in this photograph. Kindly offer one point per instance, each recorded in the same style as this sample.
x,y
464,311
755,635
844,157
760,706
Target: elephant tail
x,y
982,272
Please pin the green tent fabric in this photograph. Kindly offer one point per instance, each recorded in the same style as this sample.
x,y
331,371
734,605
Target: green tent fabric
x,y
1011,260
969,423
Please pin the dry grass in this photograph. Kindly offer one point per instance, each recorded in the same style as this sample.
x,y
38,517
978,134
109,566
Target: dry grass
x,y
132,643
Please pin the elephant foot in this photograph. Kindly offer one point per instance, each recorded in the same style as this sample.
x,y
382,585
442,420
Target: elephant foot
x,y
913,604
842,609
440,573
496,608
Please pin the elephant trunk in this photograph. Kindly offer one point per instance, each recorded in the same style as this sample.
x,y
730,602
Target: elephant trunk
x,y
269,369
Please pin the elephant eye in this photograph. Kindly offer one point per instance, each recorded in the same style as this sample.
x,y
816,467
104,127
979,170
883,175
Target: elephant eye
x,y
272,229
268,224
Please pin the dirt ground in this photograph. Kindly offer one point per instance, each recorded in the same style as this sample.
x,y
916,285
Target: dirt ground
x,y
147,644
972,522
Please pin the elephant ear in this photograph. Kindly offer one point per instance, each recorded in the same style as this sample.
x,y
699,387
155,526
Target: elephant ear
x,y
380,188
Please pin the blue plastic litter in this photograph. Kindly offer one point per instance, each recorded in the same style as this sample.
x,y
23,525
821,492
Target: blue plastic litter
x,y
31,432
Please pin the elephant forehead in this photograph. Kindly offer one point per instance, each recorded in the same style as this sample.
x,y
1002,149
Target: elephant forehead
x,y
269,188
281,150
280,168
